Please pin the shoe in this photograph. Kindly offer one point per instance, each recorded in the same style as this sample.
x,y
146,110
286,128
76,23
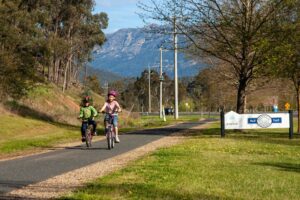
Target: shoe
x,y
83,139
117,140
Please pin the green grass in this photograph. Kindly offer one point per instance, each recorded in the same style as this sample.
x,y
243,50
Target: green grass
x,y
155,121
41,91
19,134
244,165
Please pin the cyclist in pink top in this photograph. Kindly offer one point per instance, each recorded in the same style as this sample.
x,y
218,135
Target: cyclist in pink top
x,y
112,107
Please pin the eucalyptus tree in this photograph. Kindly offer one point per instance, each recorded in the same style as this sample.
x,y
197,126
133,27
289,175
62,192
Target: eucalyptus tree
x,y
232,31
46,38
141,86
70,31
18,45
81,30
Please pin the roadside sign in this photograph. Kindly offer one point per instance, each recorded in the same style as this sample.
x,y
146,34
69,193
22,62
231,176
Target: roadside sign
x,y
233,120
275,108
287,106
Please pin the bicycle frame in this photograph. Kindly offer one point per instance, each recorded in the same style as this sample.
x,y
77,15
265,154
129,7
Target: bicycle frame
x,y
88,134
110,132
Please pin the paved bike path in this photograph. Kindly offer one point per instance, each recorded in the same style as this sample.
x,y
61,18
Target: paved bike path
x,y
21,172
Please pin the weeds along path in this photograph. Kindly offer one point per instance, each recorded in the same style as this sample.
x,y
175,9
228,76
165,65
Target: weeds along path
x,y
52,174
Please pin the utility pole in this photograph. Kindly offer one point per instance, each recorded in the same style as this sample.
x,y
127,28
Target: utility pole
x,y
85,76
149,76
175,71
105,88
160,88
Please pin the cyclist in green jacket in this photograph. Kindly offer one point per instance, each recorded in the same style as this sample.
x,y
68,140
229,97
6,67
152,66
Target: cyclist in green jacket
x,y
87,114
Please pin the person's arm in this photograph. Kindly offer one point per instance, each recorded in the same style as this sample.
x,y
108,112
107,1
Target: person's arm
x,y
81,113
118,107
95,113
103,108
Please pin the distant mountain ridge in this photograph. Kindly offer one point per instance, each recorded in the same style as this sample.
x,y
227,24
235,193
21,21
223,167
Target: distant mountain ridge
x,y
128,52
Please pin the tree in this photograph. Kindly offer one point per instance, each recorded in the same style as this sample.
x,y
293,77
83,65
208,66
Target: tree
x,y
209,93
230,31
142,87
284,59
135,92
93,83
18,43
51,39
81,31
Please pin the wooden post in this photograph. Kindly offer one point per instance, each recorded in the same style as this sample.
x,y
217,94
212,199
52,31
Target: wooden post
x,y
222,123
291,130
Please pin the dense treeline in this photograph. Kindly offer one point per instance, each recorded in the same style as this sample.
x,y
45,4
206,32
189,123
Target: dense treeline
x,y
203,92
41,39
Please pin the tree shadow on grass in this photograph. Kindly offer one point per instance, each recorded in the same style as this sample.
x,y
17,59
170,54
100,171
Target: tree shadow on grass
x,y
266,136
291,167
208,132
26,111
185,128
138,191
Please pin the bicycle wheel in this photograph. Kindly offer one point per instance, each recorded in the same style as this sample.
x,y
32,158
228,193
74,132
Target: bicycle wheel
x,y
88,136
112,139
108,138
109,142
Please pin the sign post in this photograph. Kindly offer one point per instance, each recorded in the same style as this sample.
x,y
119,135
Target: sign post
x,y
287,106
291,130
222,124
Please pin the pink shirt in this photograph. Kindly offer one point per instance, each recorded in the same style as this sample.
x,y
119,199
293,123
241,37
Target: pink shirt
x,y
111,107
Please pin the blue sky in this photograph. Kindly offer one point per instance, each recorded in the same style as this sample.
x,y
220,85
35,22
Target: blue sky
x,y
121,13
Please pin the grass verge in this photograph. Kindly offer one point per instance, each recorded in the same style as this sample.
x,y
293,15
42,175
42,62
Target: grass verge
x,y
244,165
155,122
25,134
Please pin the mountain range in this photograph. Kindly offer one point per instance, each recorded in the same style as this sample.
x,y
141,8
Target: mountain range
x,y
128,52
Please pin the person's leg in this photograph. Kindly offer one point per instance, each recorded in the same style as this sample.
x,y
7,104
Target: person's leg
x,y
105,125
93,122
83,128
115,122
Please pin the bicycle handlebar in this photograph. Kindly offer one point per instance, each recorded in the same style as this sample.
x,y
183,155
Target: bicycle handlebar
x,y
115,112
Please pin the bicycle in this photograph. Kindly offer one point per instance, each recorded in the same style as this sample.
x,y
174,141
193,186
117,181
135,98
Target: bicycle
x,y
88,134
110,132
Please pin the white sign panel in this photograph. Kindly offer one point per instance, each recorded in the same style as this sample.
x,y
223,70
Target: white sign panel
x,y
234,120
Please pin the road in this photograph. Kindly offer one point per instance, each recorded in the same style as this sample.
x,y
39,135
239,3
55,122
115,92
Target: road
x,y
20,172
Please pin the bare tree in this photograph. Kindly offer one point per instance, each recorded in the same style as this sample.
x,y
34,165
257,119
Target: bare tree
x,y
232,31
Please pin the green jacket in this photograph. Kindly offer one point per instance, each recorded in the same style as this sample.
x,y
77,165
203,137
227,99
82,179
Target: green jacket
x,y
88,112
